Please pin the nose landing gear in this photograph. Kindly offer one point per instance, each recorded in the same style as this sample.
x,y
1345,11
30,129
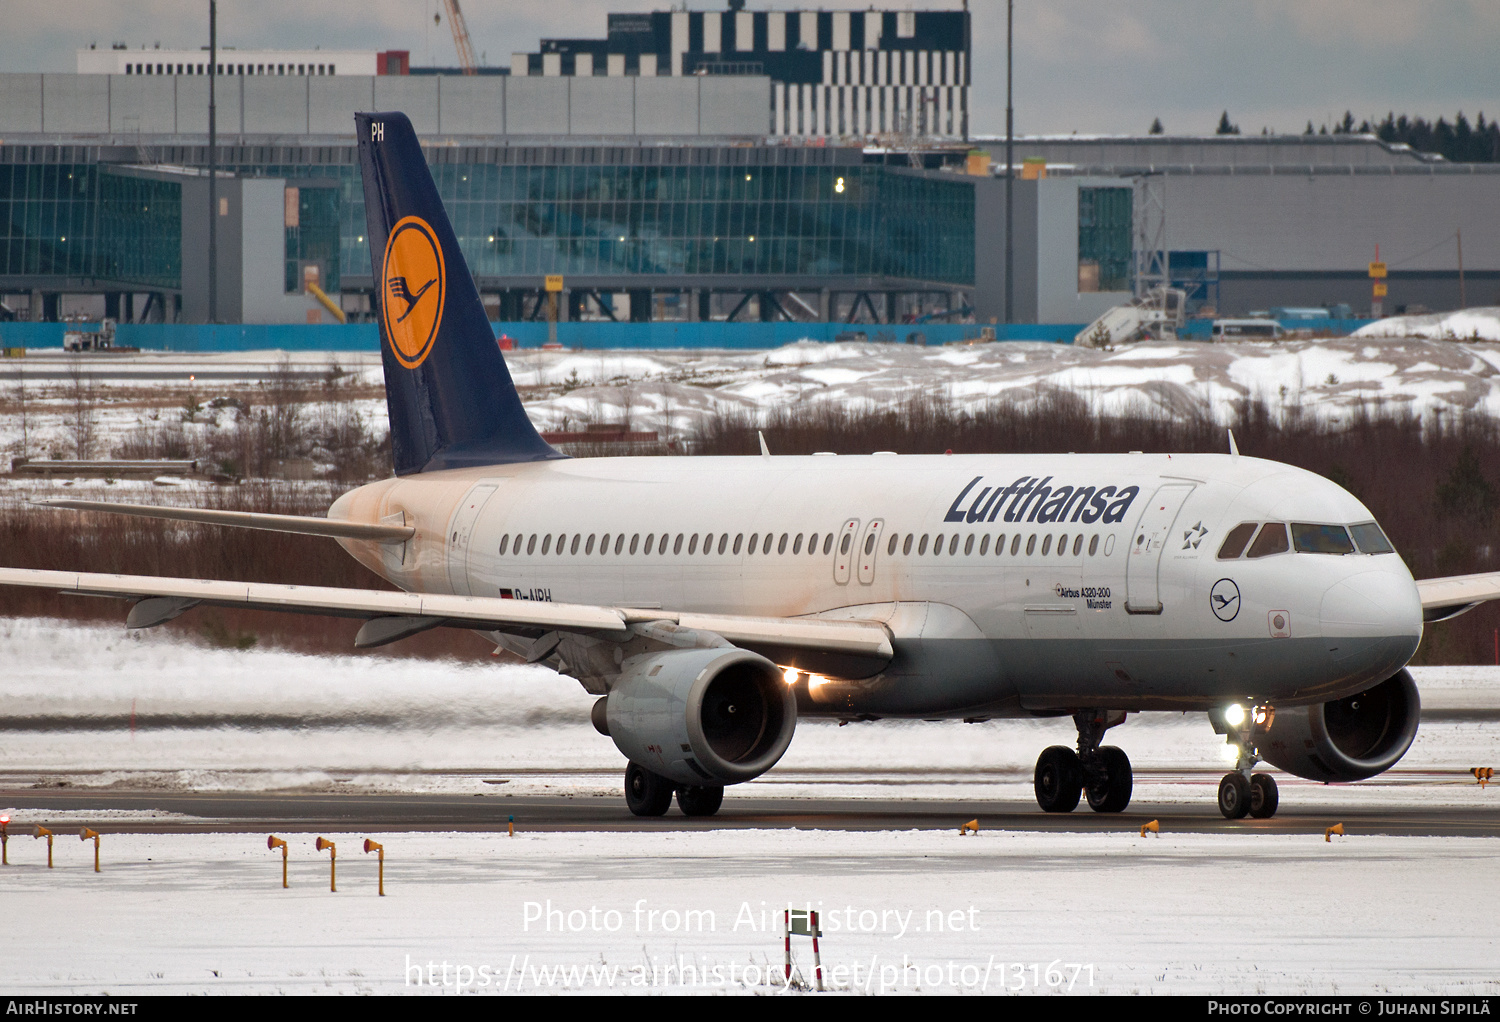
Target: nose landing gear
x,y
1102,775
1241,792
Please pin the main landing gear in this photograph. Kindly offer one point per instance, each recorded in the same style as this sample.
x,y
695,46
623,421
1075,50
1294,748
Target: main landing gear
x,y
1101,773
1241,792
649,794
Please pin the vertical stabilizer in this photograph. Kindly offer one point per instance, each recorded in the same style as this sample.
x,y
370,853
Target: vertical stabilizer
x,y
450,397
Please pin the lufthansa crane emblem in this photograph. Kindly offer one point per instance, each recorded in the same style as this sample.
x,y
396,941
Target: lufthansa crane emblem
x,y
411,300
1224,599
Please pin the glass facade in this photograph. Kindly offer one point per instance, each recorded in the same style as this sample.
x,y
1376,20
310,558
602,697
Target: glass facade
x,y
81,220
530,221
315,238
514,220
1105,225
140,227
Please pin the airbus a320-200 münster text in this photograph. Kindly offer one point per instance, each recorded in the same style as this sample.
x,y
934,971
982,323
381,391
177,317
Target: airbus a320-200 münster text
x,y
708,603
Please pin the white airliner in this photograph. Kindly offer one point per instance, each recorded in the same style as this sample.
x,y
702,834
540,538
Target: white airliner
x,y
709,602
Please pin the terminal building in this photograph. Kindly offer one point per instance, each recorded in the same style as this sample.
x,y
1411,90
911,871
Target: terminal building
x,y
742,165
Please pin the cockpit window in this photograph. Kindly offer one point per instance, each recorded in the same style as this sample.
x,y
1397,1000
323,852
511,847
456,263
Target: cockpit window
x,y
1234,543
1370,540
1321,539
1271,540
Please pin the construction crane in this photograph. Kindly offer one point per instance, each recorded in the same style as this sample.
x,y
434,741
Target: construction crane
x,y
460,37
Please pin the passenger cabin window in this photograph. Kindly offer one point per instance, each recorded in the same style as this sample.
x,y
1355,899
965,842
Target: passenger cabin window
x,y
828,544
1321,539
1271,540
504,542
1093,545
1370,539
797,544
1234,543
890,548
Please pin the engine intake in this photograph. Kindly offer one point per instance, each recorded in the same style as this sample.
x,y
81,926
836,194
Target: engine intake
x,y
1347,739
701,716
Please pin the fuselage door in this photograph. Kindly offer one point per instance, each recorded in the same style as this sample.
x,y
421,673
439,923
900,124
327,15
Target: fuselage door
x,y
845,550
459,533
1142,593
869,549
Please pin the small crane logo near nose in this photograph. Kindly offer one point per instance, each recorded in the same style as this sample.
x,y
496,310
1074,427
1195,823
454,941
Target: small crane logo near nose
x,y
1224,600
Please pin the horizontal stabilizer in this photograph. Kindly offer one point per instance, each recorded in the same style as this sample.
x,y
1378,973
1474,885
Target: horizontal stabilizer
x,y
246,520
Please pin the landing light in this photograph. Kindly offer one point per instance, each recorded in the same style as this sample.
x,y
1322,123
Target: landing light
x,y
815,681
1234,714
1231,752
790,675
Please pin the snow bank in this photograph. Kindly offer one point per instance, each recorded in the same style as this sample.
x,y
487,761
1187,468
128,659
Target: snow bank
x,y
1481,324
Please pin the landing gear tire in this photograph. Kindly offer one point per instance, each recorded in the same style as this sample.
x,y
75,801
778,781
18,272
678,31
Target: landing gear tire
x,y
1264,798
1234,796
699,801
1109,791
646,794
1058,780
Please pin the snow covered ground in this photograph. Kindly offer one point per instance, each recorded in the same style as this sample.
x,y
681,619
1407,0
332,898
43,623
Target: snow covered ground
x,y
903,912
1405,364
910,911
1479,324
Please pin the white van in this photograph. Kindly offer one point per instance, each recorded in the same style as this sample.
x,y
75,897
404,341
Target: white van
x,y
1247,330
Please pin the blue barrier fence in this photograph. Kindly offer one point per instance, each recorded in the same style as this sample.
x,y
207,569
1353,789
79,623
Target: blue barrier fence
x,y
366,337
594,336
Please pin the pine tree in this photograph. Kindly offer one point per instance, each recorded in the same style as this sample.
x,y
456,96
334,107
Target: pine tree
x,y
1225,128
1156,128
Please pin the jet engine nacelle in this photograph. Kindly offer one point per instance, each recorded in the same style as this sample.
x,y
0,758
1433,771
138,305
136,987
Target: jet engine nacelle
x,y
701,717
1347,739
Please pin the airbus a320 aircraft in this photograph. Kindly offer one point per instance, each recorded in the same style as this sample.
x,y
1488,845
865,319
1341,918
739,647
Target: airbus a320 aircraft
x,y
708,603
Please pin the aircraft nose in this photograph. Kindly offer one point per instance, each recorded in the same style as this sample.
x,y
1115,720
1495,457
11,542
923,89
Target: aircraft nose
x,y
1373,604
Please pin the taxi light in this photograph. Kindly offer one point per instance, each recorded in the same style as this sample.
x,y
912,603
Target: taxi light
x,y
333,861
1234,714
790,675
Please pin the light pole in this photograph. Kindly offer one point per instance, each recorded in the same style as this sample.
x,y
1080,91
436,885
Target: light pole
x,y
1010,170
213,164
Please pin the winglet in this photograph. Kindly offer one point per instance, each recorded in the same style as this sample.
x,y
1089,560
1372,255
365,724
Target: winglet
x,y
765,452
1234,448
450,397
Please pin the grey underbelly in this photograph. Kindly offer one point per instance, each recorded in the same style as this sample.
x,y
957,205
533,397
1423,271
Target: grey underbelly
x,y
1022,677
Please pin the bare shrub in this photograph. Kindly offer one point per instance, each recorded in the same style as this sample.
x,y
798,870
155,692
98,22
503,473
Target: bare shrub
x,y
83,410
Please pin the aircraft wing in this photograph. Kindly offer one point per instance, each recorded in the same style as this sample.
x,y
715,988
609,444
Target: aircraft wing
x,y
161,599
1444,598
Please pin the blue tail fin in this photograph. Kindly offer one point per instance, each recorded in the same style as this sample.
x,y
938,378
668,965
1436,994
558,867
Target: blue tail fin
x,y
450,397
